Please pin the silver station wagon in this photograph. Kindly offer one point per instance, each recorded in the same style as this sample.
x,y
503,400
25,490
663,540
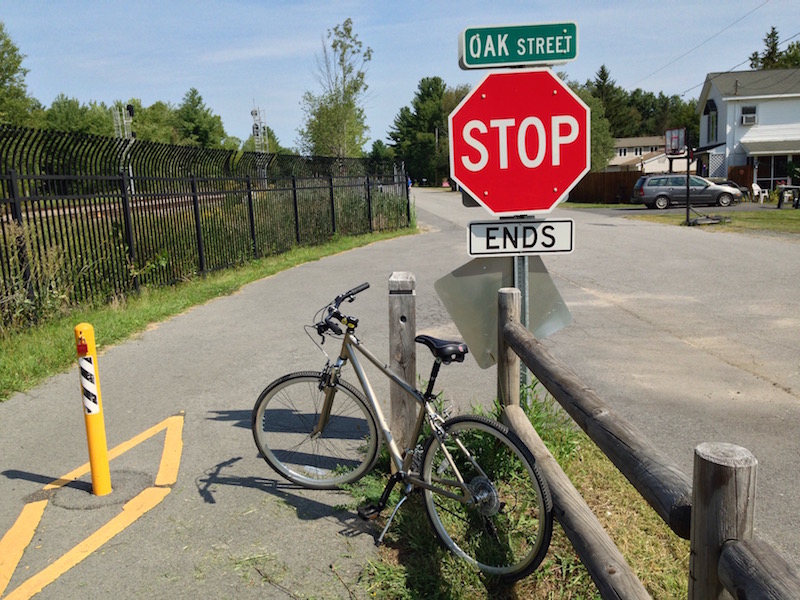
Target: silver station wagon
x,y
665,190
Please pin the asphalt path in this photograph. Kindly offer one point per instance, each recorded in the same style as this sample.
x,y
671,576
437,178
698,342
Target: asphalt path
x,y
688,332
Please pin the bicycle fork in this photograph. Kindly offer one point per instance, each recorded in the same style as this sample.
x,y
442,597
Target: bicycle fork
x,y
328,385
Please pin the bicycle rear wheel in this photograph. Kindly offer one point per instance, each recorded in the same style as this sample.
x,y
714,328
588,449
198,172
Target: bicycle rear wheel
x,y
505,530
283,421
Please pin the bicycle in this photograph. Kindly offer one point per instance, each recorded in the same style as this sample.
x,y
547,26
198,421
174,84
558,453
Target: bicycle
x,y
482,491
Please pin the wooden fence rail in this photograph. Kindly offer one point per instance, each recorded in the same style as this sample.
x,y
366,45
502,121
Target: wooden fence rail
x,y
714,510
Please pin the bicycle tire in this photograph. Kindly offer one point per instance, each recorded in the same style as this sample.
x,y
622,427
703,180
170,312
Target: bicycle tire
x,y
506,533
285,415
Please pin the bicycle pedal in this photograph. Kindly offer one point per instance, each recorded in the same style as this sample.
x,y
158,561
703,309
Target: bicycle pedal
x,y
369,512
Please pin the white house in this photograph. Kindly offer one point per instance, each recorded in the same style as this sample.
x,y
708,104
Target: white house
x,y
646,154
750,120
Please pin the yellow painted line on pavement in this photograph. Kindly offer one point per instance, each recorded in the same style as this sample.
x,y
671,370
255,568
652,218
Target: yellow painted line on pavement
x,y
17,539
130,512
171,456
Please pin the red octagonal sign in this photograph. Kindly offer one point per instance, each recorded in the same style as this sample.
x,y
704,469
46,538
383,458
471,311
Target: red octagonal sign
x,y
519,142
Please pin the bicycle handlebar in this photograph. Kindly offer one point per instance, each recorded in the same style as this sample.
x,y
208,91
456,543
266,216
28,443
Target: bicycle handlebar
x,y
350,295
329,322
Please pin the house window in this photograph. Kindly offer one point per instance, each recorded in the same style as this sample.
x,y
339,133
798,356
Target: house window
x,y
749,115
637,151
622,152
773,171
711,112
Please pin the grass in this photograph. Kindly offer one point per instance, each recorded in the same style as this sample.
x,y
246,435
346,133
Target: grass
x,y
785,221
29,356
414,566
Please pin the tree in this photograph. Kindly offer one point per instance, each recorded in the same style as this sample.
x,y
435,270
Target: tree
x,y
155,123
197,125
602,142
623,118
69,114
420,132
380,159
15,104
773,57
335,124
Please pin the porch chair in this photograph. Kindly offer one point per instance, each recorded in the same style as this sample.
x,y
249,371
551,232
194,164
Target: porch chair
x,y
760,194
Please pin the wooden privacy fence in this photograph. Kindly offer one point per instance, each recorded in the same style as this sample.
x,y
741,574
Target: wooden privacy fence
x,y
605,188
714,510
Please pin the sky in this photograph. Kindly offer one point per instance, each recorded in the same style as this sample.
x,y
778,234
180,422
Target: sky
x,y
246,54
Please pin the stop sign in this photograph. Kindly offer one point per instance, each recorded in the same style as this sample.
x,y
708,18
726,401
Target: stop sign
x,y
519,142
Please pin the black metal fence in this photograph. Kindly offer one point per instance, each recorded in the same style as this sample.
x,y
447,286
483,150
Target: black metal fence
x,y
84,218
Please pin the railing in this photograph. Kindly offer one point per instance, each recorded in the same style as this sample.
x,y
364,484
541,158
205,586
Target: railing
x,y
84,218
714,510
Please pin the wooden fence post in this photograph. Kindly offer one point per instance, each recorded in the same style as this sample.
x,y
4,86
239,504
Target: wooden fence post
x,y
723,505
509,301
402,355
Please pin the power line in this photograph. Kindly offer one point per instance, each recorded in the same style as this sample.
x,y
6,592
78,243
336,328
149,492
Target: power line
x,y
734,67
701,44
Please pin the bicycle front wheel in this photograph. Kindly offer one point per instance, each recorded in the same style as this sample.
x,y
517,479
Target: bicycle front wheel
x,y
284,421
504,526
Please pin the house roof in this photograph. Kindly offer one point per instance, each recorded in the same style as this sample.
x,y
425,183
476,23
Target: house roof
x,y
772,139
751,84
636,142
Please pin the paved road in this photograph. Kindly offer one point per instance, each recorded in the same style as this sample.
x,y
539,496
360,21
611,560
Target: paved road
x,y
689,333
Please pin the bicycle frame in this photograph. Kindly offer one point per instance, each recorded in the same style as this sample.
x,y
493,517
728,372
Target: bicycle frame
x,y
351,347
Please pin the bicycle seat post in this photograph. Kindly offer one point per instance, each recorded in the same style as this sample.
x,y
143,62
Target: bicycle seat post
x,y
437,363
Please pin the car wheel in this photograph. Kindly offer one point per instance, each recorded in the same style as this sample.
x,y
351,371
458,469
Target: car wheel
x,y
724,200
661,202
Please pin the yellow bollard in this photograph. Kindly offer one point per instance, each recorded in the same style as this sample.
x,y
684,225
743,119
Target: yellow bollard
x,y
93,409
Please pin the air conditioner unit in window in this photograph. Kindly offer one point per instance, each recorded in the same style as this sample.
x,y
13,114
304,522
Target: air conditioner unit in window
x,y
748,119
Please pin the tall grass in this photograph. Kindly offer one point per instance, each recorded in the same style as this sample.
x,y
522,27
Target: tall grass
x,y
413,566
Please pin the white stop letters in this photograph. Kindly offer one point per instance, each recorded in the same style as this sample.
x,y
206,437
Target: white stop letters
x,y
531,140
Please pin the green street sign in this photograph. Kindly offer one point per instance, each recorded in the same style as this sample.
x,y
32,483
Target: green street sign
x,y
517,45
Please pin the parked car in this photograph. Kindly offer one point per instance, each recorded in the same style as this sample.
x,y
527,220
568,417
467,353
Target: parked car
x,y
667,189
731,183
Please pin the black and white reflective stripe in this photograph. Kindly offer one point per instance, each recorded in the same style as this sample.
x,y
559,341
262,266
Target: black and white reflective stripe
x,y
88,385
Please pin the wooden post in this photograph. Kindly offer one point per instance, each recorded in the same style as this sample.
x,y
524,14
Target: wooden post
x,y
402,355
509,301
723,504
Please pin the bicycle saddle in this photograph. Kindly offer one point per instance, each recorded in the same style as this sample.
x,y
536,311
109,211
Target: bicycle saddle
x,y
445,350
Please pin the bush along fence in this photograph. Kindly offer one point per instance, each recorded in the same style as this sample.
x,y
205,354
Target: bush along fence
x,y
84,218
714,510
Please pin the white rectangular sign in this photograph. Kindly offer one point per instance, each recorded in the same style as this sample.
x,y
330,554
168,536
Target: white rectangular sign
x,y
520,237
